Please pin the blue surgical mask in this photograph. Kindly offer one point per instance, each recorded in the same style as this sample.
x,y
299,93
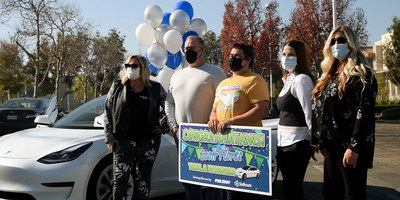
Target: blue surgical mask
x,y
289,63
340,51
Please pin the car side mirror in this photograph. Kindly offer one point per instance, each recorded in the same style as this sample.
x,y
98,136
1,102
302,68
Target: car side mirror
x,y
42,121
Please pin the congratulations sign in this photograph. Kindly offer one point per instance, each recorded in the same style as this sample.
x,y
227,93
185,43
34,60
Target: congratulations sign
x,y
237,160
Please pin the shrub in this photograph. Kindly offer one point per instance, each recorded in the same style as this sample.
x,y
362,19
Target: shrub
x,y
391,113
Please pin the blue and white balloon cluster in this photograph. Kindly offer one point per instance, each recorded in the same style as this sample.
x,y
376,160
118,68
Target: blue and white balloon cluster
x,y
165,34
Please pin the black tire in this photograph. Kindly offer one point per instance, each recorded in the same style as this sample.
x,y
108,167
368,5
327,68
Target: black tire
x,y
100,182
244,176
258,175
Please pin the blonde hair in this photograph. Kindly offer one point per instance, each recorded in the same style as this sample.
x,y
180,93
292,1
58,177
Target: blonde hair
x,y
356,63
145,71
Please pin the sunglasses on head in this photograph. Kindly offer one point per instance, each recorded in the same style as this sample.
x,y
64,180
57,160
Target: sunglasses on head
x,y
132,66
339,40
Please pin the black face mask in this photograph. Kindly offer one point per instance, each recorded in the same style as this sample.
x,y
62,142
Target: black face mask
x,y
235,64
191,56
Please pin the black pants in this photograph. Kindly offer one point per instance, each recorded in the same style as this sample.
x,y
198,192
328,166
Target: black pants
x,y
129,156
293,161
339,180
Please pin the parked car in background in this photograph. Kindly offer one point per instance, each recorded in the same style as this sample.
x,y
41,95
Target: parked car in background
x,y
70,160
20,113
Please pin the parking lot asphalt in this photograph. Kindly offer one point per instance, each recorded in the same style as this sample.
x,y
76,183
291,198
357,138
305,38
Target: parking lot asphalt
x,y
383,178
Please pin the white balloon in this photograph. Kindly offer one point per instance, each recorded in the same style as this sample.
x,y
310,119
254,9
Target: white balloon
x,y
199,26
157,55
160,32
173,41
153,15
164,77
179,20
145,34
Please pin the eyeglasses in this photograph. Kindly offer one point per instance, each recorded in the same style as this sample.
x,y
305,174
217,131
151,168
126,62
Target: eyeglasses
x,y
339,40
132,66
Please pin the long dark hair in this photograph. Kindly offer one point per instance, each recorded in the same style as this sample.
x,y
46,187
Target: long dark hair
x,y
303,66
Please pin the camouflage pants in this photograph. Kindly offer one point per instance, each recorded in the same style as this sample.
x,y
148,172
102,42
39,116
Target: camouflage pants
x,y
136,158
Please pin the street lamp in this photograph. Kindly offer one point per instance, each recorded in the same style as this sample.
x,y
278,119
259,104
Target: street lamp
x,y
334,14
270,69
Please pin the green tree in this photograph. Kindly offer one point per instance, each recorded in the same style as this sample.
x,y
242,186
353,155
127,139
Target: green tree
x,y
213,54
109,54
32,28
392,52
382,86
11,76
81,89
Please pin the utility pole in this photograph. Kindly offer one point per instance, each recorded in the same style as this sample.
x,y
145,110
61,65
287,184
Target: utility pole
x,y
334,14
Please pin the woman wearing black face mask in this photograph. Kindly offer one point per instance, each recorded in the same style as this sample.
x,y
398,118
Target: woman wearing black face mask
x,y
240,100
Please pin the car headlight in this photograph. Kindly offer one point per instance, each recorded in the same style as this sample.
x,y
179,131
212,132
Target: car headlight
x,y
65,155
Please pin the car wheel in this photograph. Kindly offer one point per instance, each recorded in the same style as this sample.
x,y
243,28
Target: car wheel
x,y
274,169
100,183
244,176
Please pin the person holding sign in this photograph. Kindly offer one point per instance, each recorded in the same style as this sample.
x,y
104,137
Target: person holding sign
x,y
240,100
189,100
294,129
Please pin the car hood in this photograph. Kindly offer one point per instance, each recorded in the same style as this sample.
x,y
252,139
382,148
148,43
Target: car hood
x,y
42,141
271,123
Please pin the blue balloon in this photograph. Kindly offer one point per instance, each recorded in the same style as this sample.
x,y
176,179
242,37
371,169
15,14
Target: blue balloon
x,y
186,35
174,60
151,66
185,6
166,18
154,69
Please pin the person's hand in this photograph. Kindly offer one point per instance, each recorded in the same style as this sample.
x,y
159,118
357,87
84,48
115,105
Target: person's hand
x,y
212,125
315,150
174,130
157,131
322,152
222,125
350,158
110,145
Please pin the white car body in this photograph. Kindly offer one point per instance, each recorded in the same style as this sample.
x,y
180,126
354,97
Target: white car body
x,y
22,176
273,124
247,172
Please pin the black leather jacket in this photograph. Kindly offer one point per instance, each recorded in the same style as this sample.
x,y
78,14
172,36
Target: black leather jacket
x,y
117,116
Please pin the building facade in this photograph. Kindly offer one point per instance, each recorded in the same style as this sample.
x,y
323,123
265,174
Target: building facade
x,y
375,56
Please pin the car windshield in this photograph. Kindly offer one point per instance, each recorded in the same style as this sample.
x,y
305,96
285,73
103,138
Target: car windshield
x,y
22,103
246,167
83,117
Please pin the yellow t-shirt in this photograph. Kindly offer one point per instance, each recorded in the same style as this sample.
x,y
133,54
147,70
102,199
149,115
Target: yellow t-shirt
x,y
235,96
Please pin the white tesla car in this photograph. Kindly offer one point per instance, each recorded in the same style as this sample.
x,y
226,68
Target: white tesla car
x,y
247,171
71,161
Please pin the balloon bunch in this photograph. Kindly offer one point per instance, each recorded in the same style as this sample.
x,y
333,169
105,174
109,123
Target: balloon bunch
x,y
165,34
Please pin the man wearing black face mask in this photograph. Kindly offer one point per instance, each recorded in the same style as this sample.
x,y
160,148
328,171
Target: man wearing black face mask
x,y
240,100
189,100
